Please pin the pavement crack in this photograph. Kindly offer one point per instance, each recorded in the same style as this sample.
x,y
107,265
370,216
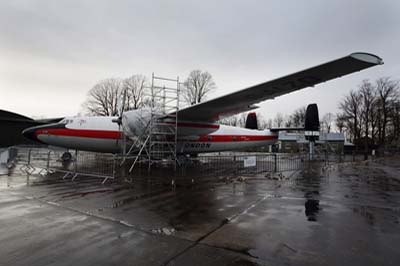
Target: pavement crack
x,y
54,204
223,222
251,206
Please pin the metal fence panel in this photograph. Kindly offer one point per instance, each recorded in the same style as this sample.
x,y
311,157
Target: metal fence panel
x,y
208,166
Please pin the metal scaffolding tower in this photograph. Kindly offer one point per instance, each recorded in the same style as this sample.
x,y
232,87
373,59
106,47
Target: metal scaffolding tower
x,y
159,140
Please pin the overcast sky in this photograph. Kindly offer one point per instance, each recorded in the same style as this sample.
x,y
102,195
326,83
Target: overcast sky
x,y
53,52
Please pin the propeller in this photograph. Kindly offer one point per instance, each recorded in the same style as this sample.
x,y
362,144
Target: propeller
x,y
118,120
121,110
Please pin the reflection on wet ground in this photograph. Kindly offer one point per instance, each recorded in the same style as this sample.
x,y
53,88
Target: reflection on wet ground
x,y
346,214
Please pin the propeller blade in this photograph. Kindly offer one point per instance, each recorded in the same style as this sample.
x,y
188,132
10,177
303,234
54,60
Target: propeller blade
x,y
121,111
119,120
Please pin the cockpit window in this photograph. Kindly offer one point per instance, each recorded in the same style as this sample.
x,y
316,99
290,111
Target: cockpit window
x,y
66,121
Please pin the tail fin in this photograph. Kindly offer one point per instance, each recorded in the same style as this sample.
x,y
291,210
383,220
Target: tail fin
x,y
251,121
311,122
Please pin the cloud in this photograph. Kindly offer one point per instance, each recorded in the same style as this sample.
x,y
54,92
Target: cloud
x,y
59,49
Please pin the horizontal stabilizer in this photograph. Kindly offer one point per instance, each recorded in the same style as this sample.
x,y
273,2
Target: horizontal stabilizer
x,y
287,129
311,122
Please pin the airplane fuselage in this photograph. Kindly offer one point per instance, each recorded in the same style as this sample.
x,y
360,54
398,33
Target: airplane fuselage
x,y
101,134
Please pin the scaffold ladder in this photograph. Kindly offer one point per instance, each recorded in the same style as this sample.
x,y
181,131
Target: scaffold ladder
x,y
164,120
158,143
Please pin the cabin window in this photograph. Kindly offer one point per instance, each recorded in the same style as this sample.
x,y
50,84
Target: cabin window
x,y
209,138
234,138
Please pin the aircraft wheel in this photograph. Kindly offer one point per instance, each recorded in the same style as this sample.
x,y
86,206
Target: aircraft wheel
x,y
66,156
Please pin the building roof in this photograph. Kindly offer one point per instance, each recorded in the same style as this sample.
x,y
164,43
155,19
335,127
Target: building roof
x,y
333,136
299,137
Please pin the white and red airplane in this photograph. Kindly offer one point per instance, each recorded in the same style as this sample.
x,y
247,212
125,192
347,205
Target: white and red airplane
x,y
198,129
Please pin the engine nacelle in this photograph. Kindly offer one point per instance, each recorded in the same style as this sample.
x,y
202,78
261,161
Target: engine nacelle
x,y
135,122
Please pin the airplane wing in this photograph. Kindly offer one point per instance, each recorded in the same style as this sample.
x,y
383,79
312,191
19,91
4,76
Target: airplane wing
x,y
245,99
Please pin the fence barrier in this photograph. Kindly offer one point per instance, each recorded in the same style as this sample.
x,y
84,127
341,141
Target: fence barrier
x,y
44,161
108,166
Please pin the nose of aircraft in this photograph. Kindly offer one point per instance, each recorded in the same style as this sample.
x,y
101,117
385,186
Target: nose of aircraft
x,y
30,133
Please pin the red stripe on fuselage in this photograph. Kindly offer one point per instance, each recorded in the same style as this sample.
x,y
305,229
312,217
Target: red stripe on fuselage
x,y
83,133
108,134
233,138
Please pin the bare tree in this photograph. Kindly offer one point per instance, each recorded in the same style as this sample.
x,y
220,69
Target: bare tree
x,y
374,116
238,120
387,90
396,119
261,122
287,121
298,117
372,112
367,95
103,99
230,121
134,86
242,119
351,112
278,120
197,86
269,123
327,121
340,122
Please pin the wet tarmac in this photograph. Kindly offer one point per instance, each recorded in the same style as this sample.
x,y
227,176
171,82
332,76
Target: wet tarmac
x,y
342,214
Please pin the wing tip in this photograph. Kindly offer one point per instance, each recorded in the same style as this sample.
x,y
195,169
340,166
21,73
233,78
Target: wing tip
x,y
368,58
